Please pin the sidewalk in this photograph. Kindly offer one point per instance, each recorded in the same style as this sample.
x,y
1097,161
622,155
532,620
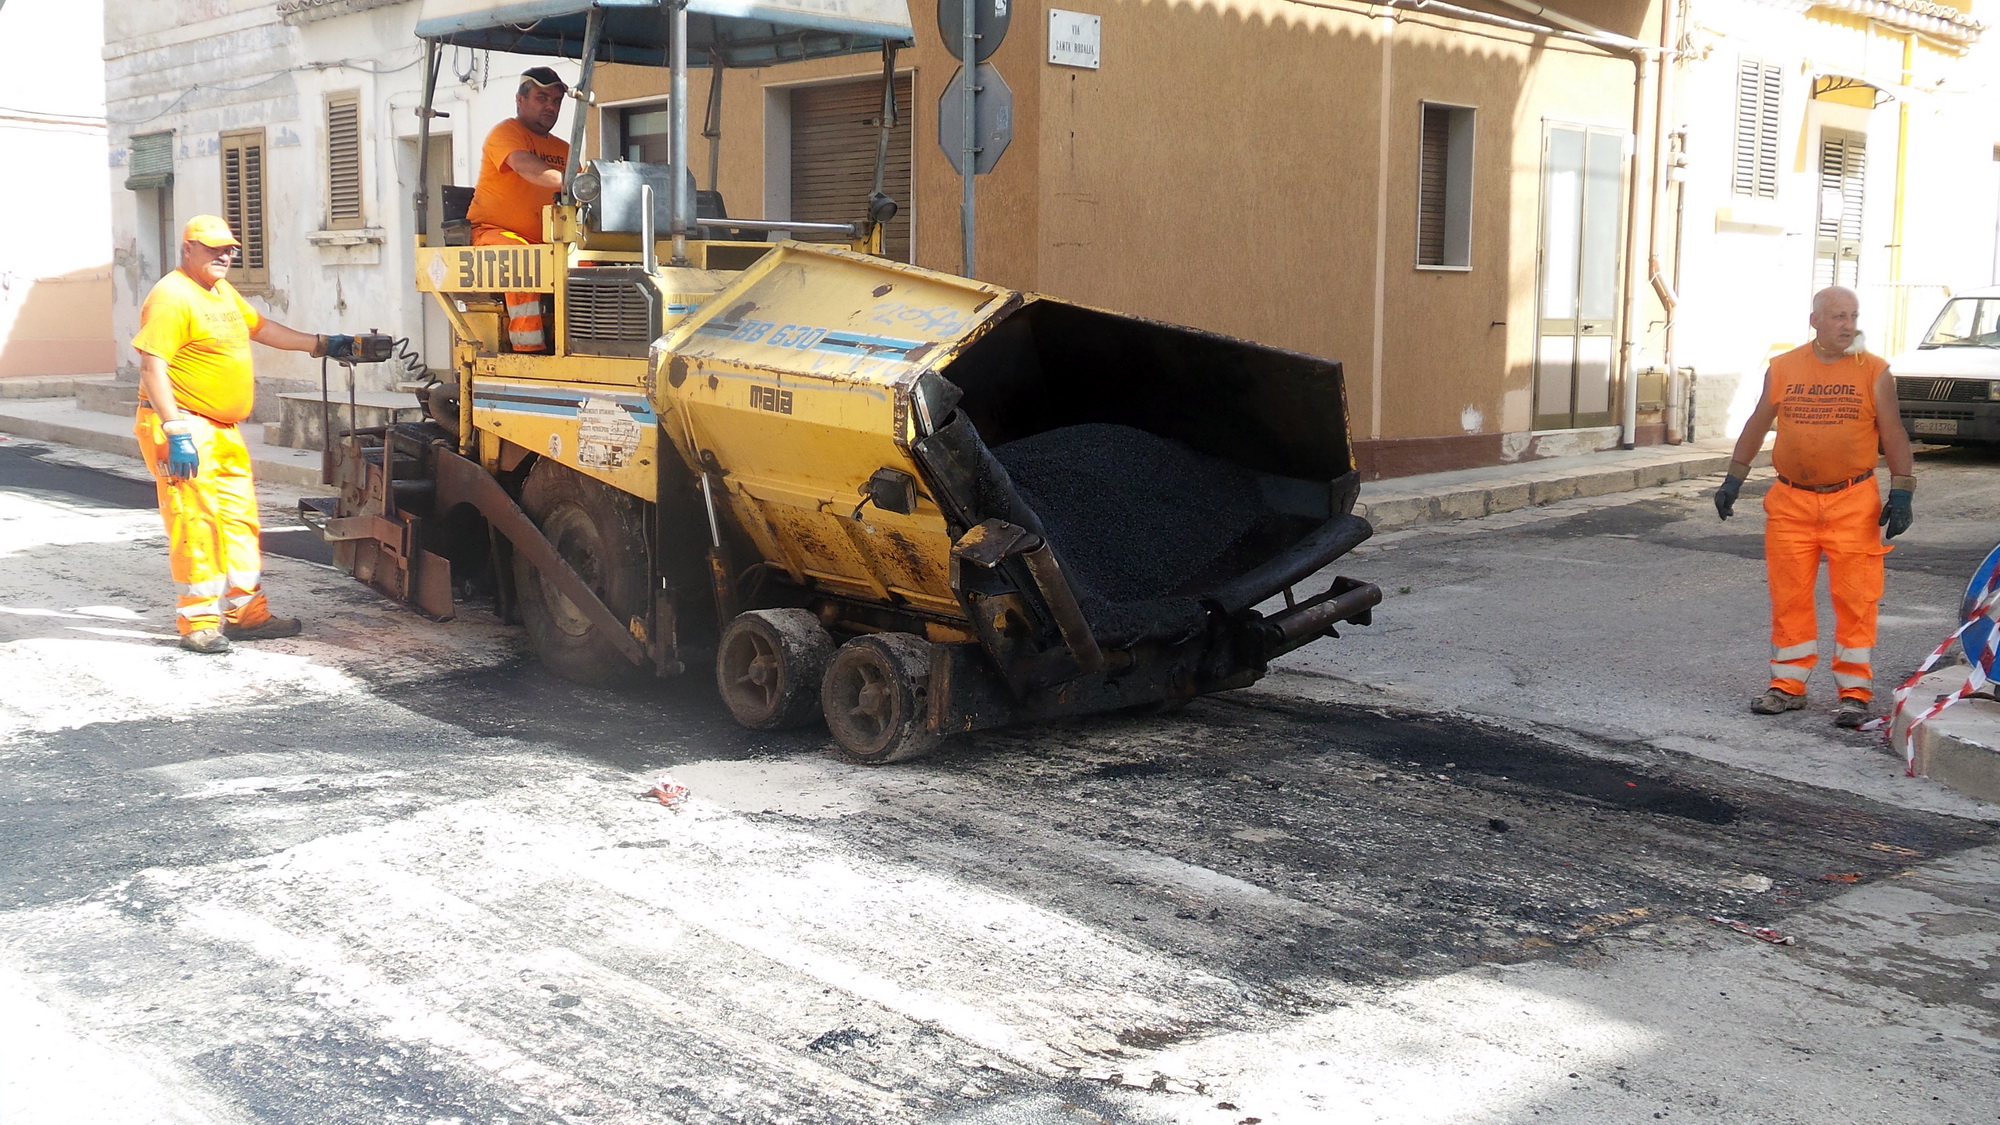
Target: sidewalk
x,y
1402,502
61,420
1960,748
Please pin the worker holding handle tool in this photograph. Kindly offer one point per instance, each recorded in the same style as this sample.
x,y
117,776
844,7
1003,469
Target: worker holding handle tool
x,y
195,387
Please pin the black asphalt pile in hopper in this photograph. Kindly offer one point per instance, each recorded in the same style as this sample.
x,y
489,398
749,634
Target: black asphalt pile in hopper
x,y
1140,522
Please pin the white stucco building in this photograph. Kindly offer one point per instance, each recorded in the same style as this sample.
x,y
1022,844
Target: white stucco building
x,y
1848,142
296,121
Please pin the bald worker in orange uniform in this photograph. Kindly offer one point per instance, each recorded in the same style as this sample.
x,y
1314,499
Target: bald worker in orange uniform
x,y
1834,404
195,386
520,172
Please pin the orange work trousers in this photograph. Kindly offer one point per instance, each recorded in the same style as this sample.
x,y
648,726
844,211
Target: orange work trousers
x,y
1799,528
213,539
524,310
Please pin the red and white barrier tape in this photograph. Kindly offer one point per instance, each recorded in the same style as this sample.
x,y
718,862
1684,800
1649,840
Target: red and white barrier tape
x,y
1987,608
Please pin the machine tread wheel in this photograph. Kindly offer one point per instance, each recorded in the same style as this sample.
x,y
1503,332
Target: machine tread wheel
x,y
769,665
876,698
601,532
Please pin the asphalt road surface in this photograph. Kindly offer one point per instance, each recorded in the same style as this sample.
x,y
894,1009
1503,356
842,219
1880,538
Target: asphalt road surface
x,y
1457,867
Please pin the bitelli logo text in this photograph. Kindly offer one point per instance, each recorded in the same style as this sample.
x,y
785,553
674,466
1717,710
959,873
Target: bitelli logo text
x,y
499,267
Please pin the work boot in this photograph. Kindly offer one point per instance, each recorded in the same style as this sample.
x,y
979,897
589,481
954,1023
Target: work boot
x,y
1775,702
1850,714
268,629
205,640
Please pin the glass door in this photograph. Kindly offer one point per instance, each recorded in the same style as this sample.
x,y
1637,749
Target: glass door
x,y
1583,175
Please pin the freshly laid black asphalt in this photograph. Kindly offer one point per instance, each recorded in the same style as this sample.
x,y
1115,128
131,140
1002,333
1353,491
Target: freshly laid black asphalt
x,y
25,467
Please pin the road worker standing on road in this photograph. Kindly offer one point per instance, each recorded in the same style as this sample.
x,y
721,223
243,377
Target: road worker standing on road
x,y
195,385
520,172
1835,407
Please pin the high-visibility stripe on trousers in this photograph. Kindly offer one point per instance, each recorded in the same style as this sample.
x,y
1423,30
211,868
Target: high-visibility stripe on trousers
x,y
1801,527
213,538
525,330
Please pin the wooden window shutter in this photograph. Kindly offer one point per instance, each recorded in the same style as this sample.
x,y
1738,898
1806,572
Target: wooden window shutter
x,y
834,135
343,162
1843,175
1759,98
243,205
1431,186
152,164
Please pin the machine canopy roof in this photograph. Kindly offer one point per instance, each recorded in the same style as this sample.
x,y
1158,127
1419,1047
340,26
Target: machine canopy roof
x,y
737,32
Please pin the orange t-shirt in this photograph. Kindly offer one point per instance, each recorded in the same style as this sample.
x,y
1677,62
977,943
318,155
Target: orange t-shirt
x,y
204,335
1826,416
502,198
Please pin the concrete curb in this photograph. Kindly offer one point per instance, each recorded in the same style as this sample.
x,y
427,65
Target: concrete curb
x,y
43,386
59,420
1961,746
1471,493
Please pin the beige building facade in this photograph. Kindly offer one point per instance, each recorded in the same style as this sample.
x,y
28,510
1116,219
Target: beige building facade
x,y
55,260
1526,229
1263,168
1621,207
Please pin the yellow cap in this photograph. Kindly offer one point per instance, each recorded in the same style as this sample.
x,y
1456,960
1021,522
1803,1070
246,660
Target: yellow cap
x,y
209,231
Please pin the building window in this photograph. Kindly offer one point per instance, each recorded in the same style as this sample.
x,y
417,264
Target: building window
x,y
644,133
150,173
243,205
1843,178
152,164
1444,188
1759,90
343,162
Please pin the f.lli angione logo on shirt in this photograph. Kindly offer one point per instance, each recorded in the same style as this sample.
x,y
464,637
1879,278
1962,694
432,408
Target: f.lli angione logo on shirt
x,y
1821,389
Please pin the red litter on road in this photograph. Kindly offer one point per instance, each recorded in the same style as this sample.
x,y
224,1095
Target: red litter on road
x,y
668,792
1761,933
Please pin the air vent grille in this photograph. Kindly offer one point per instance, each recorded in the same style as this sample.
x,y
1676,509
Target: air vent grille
x,y
617,314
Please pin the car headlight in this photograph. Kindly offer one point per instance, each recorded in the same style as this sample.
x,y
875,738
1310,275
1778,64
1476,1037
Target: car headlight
x,y
586,187
1993,391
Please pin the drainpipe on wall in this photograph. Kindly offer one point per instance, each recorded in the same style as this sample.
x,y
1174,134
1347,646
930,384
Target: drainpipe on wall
x,y
1628,426
1899,297
1662,104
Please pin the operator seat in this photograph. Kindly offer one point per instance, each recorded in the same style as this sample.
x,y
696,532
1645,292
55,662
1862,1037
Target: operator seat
x,y
456,203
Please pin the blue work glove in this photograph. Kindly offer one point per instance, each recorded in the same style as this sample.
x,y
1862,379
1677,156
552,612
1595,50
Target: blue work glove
x,y
1896,514
183,459
338,347
1725,497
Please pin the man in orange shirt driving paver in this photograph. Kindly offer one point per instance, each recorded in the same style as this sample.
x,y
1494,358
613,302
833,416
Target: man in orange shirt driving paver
x,y
1835,408
195,385
520,172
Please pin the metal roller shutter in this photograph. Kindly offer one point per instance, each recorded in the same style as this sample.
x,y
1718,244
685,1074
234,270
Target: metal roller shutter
x,y
834,133
1431,185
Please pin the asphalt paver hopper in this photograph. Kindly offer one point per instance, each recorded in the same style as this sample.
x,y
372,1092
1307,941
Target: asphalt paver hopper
x,y
973,506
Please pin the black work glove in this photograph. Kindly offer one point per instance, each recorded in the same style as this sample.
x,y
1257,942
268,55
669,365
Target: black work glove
x,y
338,347
1896,514
1725,497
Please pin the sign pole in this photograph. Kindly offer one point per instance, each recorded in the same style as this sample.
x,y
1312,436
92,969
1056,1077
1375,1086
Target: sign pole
x,y
969,167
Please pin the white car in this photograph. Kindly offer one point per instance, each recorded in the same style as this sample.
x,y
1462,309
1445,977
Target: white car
x,y
1948,389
